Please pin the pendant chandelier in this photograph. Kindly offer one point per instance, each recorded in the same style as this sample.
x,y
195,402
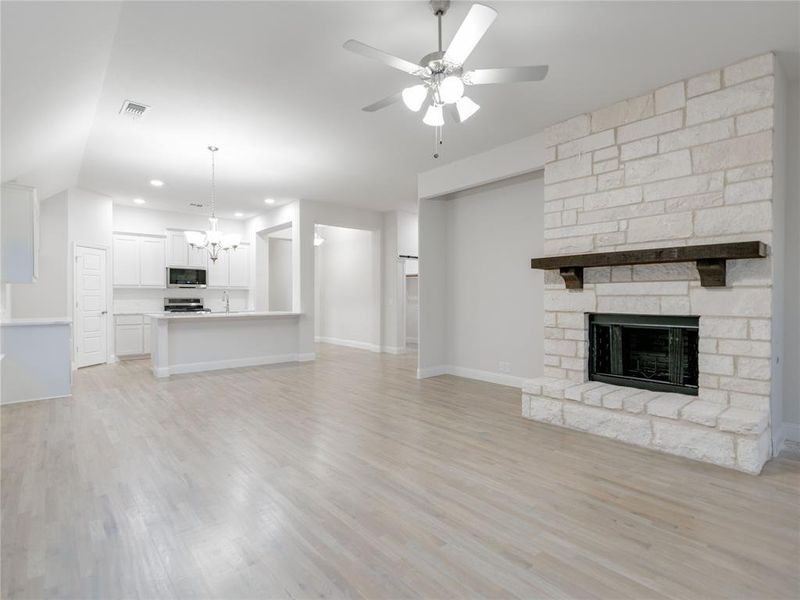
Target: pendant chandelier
x,y
212,239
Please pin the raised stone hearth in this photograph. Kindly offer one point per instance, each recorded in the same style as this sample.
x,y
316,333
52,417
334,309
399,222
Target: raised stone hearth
x,y
687,164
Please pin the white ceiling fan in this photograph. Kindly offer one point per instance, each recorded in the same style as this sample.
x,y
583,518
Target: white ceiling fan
x,y
442,74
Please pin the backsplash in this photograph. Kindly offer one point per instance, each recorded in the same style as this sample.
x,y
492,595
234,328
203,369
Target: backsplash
x,y
139,300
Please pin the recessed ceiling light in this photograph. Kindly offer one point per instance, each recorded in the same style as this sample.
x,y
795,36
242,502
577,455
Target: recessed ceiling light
x,y
138,201
269,200
156,182
238,214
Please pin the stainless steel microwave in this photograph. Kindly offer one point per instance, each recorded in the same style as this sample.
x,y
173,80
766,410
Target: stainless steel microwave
x,y
185,277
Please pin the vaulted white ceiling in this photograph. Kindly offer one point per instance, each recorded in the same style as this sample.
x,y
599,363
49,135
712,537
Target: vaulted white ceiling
x,y
269,83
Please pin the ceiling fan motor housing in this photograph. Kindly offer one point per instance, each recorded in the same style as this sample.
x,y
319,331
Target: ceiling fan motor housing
x,y
439,7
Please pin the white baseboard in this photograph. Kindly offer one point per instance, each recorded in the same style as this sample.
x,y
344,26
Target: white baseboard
x,y
306,357
393,350
349,343
233,363
489,376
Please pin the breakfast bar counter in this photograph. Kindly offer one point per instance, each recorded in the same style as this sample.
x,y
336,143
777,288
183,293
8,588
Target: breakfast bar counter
x,y
193,342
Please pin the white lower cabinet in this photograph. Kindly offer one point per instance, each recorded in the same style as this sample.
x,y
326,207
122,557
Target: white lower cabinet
x,y
131,335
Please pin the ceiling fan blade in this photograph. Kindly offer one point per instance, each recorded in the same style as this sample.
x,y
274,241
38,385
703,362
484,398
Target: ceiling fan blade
x,y
452,112
477,22
381,56
505,75
384,103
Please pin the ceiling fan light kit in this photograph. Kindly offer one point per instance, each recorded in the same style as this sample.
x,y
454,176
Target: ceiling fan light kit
x,y
442,75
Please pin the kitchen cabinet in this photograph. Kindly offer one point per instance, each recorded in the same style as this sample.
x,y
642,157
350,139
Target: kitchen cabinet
x,y
131,335
20,234
181,254
232,269
139,261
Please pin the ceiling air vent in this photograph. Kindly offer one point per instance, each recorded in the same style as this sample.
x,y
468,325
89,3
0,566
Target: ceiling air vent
x,y
134,110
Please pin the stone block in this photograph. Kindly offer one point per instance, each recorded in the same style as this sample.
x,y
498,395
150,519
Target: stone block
x,y
572,320
622,273
637,403
749,172
627,111
576,245
749,69
555,372
659,167
559,347
643,288
668,405
610,239
571,129
712,395
694,136
555,389
639,148
745,348
745,386
614,400
575,393
749,191
696,202
760,120
553,206
586,144
594,396
549,154
702,84
606,154
733,302
754,368
597,274
573,364
618,213
630,195
731,101
566,189
741,420
702,412
650,127
569,168
749,401
727,220
715,364
615,425
569,217
693,441
752,453
546,410
723,327
685,186
670,97
605,166
754,148
675,305
629,305
672,226
533,387
610,181
704,345
760,329
579,230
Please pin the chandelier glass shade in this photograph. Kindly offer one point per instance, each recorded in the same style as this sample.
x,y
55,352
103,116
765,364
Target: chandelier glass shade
x,y
213,240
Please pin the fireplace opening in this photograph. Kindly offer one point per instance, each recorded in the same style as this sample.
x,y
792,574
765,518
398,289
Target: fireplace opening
x,y
650,352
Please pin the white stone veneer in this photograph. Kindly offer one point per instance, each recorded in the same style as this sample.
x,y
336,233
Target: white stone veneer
x,y
689,163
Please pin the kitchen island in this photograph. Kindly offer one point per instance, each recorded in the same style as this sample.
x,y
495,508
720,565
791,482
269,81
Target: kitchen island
x,y
193,342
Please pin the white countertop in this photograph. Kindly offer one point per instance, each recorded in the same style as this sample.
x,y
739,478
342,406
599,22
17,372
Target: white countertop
x,y
35,321
222,315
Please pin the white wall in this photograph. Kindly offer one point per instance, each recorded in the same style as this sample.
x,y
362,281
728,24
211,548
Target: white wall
x,y
47,297
348,288
280,274
791,372
480,223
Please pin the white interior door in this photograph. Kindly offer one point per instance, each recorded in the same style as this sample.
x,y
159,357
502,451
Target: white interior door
x,y
91,312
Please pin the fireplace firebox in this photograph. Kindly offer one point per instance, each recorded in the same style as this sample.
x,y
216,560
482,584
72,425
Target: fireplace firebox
x,y
650,352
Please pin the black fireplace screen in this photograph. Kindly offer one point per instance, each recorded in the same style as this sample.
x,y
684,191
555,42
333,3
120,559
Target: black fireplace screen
x,y
649,352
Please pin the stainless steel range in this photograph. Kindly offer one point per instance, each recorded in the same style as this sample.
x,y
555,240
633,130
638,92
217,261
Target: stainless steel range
x,y
184,305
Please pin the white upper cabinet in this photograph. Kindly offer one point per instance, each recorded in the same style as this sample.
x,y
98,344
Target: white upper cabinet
x,y
126,260
152,268
20,234
232,269
218,271
139,261
239,269
181,254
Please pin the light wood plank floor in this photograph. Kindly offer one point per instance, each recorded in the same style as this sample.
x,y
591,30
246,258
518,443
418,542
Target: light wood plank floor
x,y
349,478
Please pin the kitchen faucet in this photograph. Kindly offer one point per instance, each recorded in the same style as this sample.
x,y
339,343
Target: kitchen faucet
x,y
226,297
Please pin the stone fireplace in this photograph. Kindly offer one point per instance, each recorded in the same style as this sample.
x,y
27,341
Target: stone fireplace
x,y
689,164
